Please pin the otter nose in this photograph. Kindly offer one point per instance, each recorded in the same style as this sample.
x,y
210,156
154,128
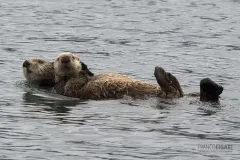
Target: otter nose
x,y
26,64
65,59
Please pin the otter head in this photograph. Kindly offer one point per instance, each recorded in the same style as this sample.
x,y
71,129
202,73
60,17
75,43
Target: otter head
x,y
67,65
209,90
38,71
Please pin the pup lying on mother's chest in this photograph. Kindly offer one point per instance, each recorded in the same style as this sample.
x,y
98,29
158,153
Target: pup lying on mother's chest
x,y
41,72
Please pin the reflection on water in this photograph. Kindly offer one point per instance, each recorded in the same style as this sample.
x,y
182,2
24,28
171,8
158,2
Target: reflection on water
x,y
32,99
191,39
59,106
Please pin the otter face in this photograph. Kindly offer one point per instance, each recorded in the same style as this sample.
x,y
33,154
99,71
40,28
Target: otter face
x,y
38,71
67,65
209,90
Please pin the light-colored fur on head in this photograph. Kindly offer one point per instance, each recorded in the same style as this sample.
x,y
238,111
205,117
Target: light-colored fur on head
x,y
70,69
38,70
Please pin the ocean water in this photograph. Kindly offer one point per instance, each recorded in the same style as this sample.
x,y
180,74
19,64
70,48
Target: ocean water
x,y
191,39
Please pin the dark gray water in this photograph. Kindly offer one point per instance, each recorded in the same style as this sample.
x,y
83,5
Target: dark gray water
x,y
191,39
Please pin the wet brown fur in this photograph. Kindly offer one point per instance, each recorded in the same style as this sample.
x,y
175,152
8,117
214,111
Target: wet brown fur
x,y
39,71
82,83
103,86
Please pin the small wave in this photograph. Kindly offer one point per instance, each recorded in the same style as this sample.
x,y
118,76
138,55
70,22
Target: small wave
x,y
120,42
233,47
70,39
10,49
208,18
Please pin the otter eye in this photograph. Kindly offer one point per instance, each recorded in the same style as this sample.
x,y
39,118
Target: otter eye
x,y
40,61
73,57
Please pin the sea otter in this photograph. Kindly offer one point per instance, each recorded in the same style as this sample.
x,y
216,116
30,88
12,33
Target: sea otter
x,y
72,81
41,72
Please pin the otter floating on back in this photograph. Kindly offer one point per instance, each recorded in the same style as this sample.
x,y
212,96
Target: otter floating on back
x,y
73,82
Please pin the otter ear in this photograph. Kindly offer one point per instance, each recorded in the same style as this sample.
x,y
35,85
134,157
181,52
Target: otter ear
x,y
76,57
41,61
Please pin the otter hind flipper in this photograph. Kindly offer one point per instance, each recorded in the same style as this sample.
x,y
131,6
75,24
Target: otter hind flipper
x,y
168,82
209,90
161,77
175,83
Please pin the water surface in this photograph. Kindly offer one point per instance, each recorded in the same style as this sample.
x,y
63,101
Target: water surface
x,y
191,39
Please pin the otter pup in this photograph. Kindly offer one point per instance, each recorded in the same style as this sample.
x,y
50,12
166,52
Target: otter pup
x,y
41,72
73,82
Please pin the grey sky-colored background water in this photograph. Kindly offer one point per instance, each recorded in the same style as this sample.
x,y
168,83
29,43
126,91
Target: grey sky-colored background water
x,y
191,39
